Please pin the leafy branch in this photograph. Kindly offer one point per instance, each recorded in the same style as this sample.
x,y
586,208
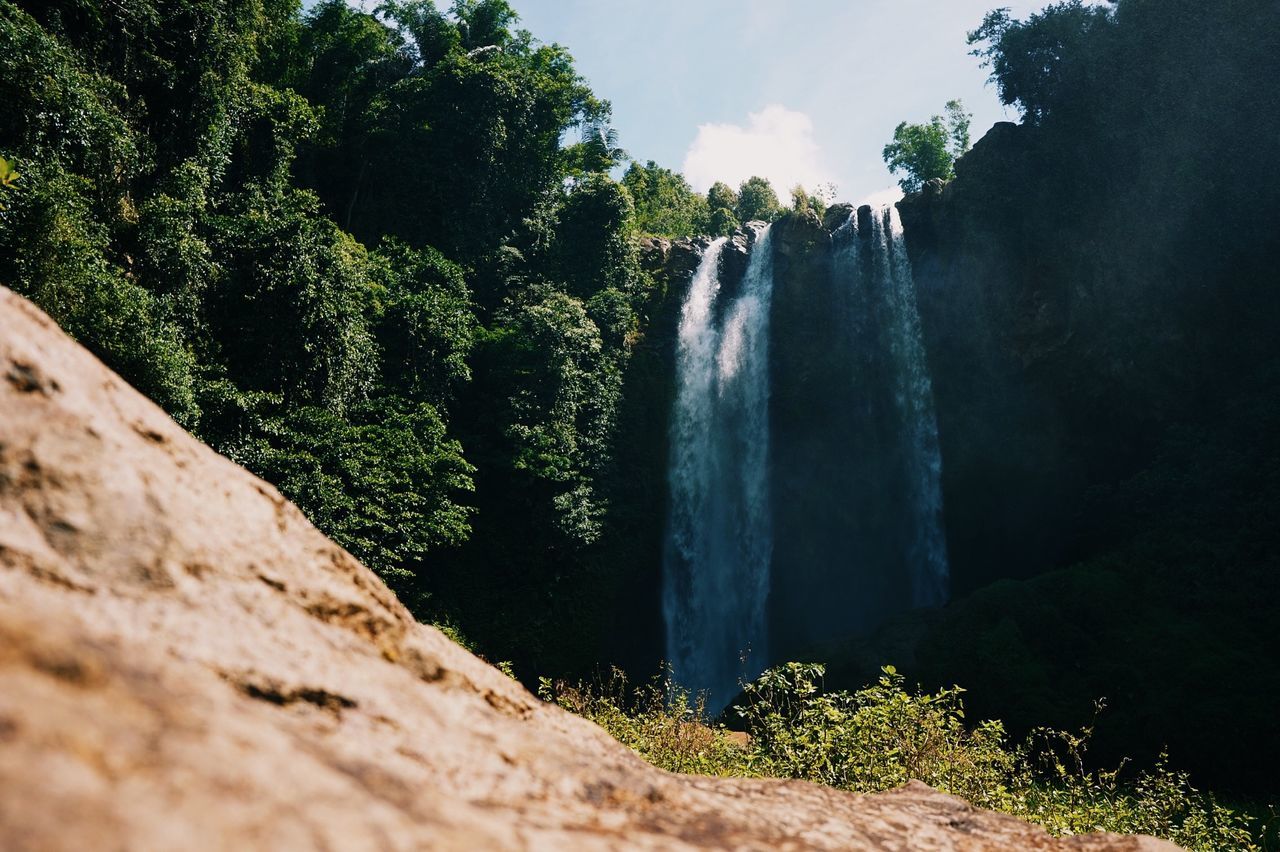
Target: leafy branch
x,y
8,177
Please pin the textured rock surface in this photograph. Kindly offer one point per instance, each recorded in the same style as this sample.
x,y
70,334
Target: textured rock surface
x,y
186,663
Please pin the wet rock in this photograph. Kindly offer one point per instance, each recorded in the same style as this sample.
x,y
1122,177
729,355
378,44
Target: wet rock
x,y
682,260
864,221
733,264
837,216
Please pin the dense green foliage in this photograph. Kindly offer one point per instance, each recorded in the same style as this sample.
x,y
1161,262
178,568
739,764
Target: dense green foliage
x,y
665,204
882,736
925,152
757,201
722,206
377,259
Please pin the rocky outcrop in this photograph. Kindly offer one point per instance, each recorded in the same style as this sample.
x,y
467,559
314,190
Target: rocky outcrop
x,y
185,662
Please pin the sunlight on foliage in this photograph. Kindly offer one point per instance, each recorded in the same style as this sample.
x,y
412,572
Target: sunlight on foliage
x,y
925,152
8,178
883,736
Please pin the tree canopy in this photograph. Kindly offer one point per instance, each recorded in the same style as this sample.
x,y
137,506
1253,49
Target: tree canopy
x,y
1040,64
376,257
757,200
665,203
925,152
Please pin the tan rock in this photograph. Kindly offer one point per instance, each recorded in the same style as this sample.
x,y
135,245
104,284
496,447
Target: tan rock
x,y
186,663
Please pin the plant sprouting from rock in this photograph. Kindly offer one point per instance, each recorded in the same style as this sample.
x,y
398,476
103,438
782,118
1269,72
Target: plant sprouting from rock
x,y
925,152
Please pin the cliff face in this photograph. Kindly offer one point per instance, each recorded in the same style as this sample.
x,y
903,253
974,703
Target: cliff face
x,y
185,662
1004,340
1067,334
841,523
1104,360
632,549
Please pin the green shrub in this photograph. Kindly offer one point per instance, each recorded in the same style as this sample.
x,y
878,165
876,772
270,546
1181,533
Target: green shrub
x,y
661,722
878,738
925,152
883,736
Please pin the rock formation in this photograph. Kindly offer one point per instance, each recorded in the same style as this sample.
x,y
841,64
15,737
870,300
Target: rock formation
x,y
185,662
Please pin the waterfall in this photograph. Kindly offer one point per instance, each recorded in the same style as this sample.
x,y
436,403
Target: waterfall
x,y
719,541
805,470
877,261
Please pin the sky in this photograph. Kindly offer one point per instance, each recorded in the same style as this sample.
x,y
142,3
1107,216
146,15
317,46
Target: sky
x,y
797,91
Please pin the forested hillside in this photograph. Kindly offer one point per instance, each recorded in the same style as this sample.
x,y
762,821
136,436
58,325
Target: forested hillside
x,y
377,260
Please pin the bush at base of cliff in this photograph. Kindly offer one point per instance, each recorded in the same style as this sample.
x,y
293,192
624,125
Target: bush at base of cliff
x,y
883,736
661,722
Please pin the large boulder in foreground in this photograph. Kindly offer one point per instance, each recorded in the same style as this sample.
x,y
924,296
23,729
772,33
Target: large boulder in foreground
x,y
186,663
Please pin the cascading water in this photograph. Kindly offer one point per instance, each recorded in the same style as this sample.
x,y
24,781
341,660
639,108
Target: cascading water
x,y
720,541
914,395
871,257
805,470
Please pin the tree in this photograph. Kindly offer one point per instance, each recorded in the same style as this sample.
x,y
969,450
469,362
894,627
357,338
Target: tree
x,y
433,34
592,247
385,482
722,195
722,201
561,385
666,205
803,202
485,23
1041,64
597,152
290,311
456,149
424,322
55,252
757,201
924,152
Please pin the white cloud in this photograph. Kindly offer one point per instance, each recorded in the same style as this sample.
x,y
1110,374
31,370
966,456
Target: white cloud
x,y
883,198
777,144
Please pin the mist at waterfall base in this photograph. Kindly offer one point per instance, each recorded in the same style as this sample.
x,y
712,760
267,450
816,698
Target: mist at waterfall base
x,y
804,473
